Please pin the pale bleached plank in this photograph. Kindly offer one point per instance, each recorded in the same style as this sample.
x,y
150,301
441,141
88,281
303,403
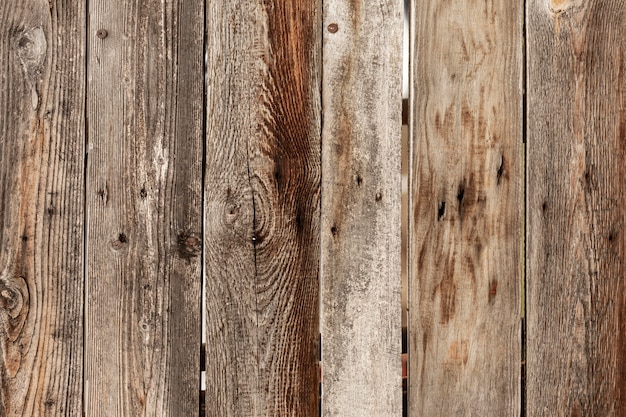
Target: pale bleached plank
x,y
262,207
42,82
361,196
466,208
576,200
144,202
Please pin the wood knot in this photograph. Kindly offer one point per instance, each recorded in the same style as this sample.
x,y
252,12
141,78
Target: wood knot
x,y
11,299
7,298
119,243
558,7
189,245
31,48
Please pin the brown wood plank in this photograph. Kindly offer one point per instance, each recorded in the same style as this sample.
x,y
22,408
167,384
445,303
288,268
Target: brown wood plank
x,y
466,208
361,203
262,207
144,202
42,78
576,201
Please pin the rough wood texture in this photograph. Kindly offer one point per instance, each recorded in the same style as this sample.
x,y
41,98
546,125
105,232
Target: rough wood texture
x,y
262,207
361,194
42,82
466,215
576,200
144,202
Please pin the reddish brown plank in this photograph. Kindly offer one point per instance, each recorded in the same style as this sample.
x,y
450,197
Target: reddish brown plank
x,y
262,208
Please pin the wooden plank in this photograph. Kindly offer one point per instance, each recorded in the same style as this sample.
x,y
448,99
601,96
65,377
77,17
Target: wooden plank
x,y
262,207
361,203
466,214
576,199
144,202
42,82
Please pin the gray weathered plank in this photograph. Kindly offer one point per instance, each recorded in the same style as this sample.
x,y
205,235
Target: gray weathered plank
x,y
144,205
576,202
466,208
361,199
42,82
262,207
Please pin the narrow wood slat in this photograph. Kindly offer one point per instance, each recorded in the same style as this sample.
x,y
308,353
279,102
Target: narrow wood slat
x,y
144,202
576,201
361,195
466,208
42,82
262,207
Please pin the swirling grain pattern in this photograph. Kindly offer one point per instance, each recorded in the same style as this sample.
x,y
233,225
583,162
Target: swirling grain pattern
x,y
262,208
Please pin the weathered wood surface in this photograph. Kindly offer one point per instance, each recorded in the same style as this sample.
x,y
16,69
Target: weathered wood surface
x,y
144,202
361,195
466,209
576,202
42,82
262,207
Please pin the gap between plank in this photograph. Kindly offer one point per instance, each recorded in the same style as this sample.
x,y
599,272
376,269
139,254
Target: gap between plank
x,y
525,213
85,214
203,316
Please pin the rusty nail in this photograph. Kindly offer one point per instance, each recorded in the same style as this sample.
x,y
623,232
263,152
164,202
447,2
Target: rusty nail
x,y
333,28
102,33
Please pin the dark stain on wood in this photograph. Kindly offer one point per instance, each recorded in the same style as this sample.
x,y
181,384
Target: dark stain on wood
x,y
189,245
493,290
460,195
441,210
447,294
500,171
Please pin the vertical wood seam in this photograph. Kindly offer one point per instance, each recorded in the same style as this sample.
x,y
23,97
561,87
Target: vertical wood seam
x,y
203,307
85,211
524,210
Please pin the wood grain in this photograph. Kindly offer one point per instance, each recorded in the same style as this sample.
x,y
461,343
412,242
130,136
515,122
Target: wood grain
x,y
144,202
576,200
42,82
361,203
466,208
262,208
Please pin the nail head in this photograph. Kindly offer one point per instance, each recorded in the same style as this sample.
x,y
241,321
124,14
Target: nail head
x,y
333,28
102,33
